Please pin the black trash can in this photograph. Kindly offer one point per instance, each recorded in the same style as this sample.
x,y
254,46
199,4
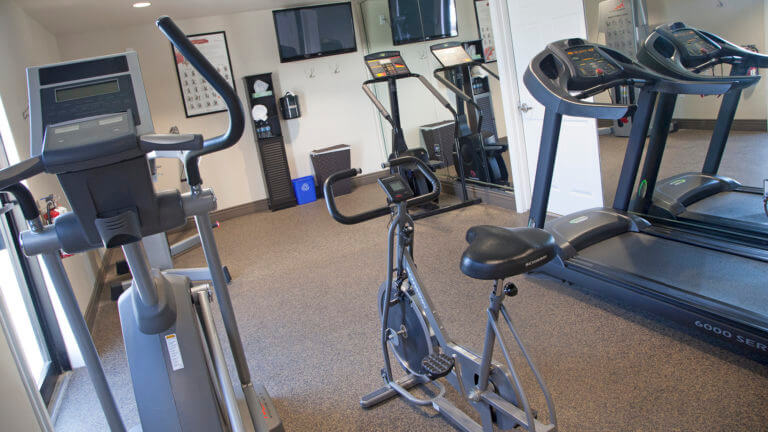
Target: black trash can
x,y
329,160
438,139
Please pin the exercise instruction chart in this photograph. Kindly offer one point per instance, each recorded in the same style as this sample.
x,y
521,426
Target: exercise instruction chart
x,y
198,95
483,14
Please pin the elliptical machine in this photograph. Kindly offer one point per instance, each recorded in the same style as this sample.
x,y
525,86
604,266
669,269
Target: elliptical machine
x,y
389,67
413,332
481,153
96,142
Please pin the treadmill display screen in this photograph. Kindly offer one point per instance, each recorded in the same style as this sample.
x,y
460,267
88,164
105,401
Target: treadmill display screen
x,y
694,44
387,66
84,91
589,63
452,56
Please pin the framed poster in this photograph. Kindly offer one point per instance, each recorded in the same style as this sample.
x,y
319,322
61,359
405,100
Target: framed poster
x,y
483,15
198,96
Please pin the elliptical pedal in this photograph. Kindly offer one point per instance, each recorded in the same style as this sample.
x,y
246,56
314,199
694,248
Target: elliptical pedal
x,y
437,365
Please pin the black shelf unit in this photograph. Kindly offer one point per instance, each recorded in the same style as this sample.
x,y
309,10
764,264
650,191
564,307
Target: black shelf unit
x,y
274,163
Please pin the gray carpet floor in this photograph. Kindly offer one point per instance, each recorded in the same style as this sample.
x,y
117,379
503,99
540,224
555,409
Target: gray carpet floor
x,y
304,290
745,158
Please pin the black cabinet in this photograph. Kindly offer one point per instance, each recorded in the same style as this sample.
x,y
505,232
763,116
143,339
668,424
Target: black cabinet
x,y
269,139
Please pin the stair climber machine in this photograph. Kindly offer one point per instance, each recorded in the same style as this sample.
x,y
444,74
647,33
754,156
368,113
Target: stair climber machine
x,y
389,67
720,205
97,140
481,152
617,254
413,332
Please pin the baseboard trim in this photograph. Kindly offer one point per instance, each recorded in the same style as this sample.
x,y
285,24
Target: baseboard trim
x,y
740,125
227,214
366,179
492,196
98,287
57,398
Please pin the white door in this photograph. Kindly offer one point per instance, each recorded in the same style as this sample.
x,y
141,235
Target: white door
x,y
576,183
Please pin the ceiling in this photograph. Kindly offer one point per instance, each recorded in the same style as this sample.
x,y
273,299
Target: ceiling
x,y
74,16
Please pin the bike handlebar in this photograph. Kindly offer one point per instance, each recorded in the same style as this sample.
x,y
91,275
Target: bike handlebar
x,y
330,198
222,87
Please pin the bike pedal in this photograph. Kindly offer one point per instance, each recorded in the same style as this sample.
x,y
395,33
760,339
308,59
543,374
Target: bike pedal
x,y
437,365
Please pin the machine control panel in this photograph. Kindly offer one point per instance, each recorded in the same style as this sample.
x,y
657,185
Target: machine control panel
x,y
693,43
395,188
451,54
589,63
87,98
386,64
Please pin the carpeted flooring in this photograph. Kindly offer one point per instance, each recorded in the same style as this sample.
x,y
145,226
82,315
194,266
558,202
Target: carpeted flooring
x,y
304,291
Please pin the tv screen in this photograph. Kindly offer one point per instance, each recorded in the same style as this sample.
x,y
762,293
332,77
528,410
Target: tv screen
x,y
421,20
314,31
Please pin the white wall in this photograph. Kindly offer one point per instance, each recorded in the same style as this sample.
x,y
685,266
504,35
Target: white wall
x,y
334,108
739,21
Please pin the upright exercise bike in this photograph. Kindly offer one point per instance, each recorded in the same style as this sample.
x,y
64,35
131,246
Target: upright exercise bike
x,y
97,143
412,331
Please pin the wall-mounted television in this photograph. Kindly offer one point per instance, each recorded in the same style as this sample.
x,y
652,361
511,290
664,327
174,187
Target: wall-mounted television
x,y
422,20
314,31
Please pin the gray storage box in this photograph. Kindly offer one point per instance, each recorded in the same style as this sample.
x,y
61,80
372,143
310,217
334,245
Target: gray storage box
x,y
329,160
438,140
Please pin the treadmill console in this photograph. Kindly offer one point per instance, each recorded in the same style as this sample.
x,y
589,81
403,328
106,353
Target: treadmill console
x,y
395,188
589,63
694,44
386,64
451,54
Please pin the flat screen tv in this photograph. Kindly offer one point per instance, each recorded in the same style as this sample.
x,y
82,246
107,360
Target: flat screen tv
x,y
314,31
422,20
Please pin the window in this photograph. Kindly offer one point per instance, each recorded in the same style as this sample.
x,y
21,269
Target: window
x,y
24,292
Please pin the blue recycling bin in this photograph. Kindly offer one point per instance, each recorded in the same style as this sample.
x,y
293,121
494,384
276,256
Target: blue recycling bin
x,y
304,188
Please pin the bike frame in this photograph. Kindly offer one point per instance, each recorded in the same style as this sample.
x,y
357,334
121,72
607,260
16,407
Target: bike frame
x,y
467,364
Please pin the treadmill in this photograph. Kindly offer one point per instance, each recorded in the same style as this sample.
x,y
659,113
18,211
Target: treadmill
x,y
618,254
703,200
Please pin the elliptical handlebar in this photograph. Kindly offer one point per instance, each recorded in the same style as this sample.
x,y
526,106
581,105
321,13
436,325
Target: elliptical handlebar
x,y
222,87
330,198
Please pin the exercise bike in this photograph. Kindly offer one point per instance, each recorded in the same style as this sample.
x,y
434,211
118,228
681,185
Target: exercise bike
x,y
417,338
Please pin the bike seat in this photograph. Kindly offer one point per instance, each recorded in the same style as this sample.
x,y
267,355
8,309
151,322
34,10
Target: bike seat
x,y
498,253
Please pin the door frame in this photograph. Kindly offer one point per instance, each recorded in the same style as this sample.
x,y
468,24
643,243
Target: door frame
x,y
510,98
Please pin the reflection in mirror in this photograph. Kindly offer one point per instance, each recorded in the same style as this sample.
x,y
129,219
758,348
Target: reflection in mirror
x,y
707,173
425,123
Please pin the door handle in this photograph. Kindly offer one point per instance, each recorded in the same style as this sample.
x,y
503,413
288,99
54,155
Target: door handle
x,y
524,107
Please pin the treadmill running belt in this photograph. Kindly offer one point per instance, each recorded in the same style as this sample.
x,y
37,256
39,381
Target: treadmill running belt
x,y
721,277
739,206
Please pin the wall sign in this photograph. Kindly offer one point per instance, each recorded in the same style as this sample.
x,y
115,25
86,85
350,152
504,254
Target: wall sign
x,y
483,15
198,96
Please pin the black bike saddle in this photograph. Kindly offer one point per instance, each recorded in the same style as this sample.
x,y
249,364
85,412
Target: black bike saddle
x,y
498,253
